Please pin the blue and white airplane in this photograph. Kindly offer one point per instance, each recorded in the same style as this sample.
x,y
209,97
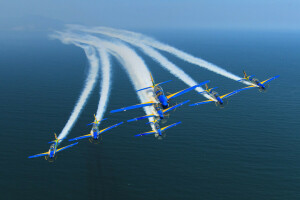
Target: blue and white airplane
x,y
157,130
262,86
50,155
215,97
95,134
160,97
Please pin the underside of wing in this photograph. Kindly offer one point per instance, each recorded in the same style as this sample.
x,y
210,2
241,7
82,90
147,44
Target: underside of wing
x,y
80,137
63,148
147,133
133,107
38,155
202,102
270,79
108,128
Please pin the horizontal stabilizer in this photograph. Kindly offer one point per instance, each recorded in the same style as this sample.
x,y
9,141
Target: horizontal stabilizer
x,y
144,89
163,82
98,122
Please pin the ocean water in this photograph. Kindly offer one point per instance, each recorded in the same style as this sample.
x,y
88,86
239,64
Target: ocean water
x,y
248,150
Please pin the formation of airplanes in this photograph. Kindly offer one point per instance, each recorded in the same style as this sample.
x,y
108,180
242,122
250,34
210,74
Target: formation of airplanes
x,y
161,108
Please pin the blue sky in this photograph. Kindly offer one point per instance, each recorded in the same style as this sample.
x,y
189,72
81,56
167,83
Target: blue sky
x,y
154,14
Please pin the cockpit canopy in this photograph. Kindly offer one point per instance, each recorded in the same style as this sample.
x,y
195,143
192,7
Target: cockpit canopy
x,y
215,93
158,90
52,147
255,80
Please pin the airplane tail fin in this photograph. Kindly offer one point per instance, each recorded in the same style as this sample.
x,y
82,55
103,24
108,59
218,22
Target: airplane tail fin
x,y
245,75
153,83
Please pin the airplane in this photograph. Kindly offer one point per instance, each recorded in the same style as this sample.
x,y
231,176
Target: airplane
x,y
157,130
160,97
256,83
160,112
215,97
51,154
95,134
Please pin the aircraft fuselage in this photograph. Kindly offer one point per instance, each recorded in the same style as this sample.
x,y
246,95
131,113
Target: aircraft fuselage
x,y
52,151
216,97
257,83
161,97
157,129
95,132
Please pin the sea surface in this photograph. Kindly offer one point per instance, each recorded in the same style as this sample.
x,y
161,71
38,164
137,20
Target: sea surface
x,y
248,150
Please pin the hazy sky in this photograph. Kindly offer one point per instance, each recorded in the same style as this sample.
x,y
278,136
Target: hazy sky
x,y
157,14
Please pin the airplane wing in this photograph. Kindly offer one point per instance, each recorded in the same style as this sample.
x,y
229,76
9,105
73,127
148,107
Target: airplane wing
x,y
170,126
185,90
202,102
63,148
108,128
147,133
133,107
139,118
80,137
173,107
234,92
270,79
99,122
38,155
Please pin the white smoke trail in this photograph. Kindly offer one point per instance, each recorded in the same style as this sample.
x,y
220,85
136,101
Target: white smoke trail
x,y
133,64
171,67
105,83
132,37
89,86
